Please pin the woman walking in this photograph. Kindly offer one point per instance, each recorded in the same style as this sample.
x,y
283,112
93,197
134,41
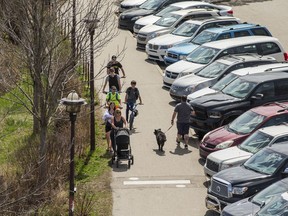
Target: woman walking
x,y
107,117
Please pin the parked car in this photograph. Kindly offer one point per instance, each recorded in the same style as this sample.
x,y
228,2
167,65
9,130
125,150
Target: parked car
x,y
128,4
214,72
209,52
257,139
158,46
128,18
260,171
281,66
252,205
180,51
147,20
169,22
214,110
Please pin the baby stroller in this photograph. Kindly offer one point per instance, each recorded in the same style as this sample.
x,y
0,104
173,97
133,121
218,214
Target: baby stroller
x,y
122,147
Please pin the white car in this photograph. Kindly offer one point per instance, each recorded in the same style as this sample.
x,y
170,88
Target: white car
x,y
169,22
236,155
234,75
147,20
209,52
158,46
128,4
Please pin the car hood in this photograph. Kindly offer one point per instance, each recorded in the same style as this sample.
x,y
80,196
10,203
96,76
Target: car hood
x,y
216,99
200,93
183,48
220,135
238,175
132,2
147,20
136,12
241,208
151,29
229,154
167,39
189,80
182,65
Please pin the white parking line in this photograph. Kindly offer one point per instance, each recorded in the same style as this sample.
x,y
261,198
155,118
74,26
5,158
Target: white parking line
x,y
157,182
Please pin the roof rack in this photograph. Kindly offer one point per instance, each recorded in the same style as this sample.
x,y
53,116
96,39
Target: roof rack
x,y
271,68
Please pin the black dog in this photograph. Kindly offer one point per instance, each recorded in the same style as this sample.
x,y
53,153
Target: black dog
x,y
161,138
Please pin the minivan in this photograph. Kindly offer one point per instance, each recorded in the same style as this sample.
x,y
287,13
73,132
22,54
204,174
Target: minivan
x,y
209,52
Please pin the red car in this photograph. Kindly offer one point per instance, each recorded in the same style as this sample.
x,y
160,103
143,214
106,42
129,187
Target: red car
x,y
238,130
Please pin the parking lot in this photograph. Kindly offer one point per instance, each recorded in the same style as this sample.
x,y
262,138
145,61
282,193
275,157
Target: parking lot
x,y
173,182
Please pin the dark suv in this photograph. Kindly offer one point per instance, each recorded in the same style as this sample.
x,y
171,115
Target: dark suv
x,y
258,172
220,108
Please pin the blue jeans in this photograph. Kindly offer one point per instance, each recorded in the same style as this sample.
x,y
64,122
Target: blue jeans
x,y
129,107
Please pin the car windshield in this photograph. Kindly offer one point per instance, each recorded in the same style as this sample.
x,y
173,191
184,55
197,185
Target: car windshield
x,y
204,37
265,161
212,70
265,195
167,10
255,142
239,88
151,4
202,55
222,83
167,20
278,206
186,29
245,123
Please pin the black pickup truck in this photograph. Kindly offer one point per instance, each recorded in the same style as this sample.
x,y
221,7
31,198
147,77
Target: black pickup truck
x,y
261,170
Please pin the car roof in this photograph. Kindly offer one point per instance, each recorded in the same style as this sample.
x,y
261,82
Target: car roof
x,y
185,4
245,58
272,108
192,10
264,77
282,149
230,28
276,130
212,19
232,42
261,68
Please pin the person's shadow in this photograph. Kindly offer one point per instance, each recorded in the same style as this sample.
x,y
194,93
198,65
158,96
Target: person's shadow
x,y
180,150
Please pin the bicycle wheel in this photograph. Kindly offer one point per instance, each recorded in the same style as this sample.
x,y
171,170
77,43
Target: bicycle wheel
x,y
131,121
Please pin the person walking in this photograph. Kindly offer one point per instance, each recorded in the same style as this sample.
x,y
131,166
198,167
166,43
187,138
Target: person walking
x,y
113,96
117,122
108,115
116,66
183,111
113,80
132,95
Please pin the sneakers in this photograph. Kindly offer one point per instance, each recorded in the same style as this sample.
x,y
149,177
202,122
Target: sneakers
x,y
186,146
177,141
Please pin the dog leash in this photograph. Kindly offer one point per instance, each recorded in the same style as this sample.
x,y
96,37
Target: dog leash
x,y
168,129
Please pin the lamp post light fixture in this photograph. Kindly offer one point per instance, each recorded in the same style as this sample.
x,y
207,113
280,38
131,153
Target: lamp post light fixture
x,y
91,26
73,105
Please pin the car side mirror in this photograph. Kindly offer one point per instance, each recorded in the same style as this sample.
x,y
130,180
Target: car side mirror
x,y
257,96
285,171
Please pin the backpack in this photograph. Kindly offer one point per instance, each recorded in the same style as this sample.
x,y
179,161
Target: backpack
x,y
117,96
136,92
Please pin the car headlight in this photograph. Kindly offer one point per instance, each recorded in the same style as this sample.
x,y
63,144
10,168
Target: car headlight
x,y
214,114
181,57
136,18
239,190
153,35
181,74
166,46
189,89
225,166
225,144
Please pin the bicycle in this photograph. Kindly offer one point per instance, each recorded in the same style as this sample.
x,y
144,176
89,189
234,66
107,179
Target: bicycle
x,y
133,114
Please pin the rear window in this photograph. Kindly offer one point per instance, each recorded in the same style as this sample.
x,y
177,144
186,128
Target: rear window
x,y
260,31
269,48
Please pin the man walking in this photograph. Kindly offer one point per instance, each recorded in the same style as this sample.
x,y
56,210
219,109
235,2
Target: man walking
x,y
183,111
116,66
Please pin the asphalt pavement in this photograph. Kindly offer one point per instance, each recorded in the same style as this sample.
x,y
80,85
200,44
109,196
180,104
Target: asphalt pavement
x,y
170,183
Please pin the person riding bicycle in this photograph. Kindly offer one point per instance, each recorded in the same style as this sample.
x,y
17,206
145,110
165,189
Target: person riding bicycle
x,y
132,95
113,80
114,96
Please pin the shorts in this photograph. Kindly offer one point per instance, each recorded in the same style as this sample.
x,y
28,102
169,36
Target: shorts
x,y
108,127
183,128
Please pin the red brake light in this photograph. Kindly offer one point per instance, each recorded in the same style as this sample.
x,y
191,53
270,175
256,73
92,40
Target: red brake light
x,y
230,12
285,56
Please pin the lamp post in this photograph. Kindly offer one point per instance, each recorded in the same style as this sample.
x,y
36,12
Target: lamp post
x,y
73,104
92,25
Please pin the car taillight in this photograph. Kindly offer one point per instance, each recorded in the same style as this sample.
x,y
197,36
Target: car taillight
x,y
230,12
285,56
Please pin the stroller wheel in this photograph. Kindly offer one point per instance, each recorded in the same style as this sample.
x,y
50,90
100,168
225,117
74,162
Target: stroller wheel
x,y
129,164
117,163
132,160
